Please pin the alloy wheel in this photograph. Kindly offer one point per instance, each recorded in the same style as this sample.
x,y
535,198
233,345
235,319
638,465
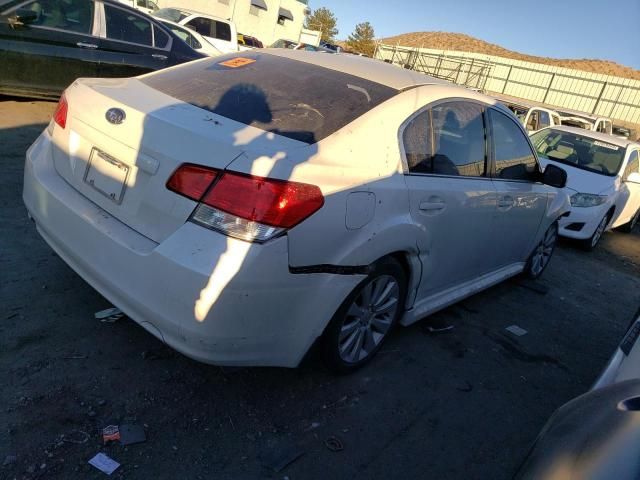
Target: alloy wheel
x,y
544,251
369,318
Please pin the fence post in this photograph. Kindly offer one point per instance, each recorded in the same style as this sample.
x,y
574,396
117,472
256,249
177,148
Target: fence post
x,y
507,79
553,77
595,107
615,103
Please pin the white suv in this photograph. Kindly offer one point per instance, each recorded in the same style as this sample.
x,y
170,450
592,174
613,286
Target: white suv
x,y
221,33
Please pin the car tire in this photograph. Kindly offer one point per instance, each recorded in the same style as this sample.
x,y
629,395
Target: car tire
x,y
628,227
592,242
366,318
541,255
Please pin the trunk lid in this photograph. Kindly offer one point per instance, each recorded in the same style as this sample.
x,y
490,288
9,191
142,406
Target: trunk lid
x,y
123,168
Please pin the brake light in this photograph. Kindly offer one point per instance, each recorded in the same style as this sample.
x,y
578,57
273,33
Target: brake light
x,y
244,206
192,181
60,114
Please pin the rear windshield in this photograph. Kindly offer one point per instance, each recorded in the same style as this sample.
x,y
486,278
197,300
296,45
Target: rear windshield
x,y
172,14
290,98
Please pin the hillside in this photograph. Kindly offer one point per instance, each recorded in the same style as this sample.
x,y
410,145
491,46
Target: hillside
x,y
466,43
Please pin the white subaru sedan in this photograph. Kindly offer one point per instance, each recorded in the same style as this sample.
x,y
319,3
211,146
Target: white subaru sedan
x,y
603,179
245,208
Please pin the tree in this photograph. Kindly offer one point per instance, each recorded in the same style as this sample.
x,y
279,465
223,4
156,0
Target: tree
x,y
362,39
324,20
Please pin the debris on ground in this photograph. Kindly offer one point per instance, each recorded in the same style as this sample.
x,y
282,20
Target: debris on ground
x,y
110,315
110,433
334,444
281,459
313,426
436,326
130,434
516,330
9,460
103,463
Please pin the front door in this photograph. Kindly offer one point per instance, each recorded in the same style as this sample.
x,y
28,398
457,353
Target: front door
x,y
49,52
451,197
522,199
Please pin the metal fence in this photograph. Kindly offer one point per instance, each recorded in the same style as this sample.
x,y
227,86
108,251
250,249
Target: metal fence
x,y
604,95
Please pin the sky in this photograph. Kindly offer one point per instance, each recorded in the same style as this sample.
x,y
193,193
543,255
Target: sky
x,y
600,29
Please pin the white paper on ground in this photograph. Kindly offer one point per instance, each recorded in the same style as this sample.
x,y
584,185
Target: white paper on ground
x,y
104,463
516,330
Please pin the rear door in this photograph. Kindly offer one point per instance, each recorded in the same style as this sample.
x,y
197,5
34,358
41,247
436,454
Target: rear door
x,y
522,200
451,196
44,56
132,44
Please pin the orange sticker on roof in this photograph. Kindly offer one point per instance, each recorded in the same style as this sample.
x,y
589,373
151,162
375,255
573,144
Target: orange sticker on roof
x,y
238,62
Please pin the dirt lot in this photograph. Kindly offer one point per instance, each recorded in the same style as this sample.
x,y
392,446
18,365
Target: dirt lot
x,y
460,405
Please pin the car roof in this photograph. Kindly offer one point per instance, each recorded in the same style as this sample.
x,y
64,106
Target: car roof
x,y
576,113
200,14
603,137
374,70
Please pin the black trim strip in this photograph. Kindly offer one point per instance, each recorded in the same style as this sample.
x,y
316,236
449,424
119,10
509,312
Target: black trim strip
x,y
333,269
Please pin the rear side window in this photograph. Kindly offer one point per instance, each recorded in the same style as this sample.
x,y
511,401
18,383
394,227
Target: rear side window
x,y
288,97
200,25
160,38
71,15
545,119
447,139
512,153
127,27
223,31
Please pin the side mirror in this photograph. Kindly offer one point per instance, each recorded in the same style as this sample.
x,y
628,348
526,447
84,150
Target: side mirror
x,y
633,178
23,16
554,176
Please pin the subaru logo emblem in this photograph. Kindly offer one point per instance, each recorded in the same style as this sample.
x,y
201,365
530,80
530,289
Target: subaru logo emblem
x,y
115,116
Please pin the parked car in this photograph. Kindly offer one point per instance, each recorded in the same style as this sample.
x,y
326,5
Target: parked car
x,y
243,208
572,118
146,6
247,42
595,436
533,117
291,45
604,180
221,33
622,132
192,38
46,44
625,362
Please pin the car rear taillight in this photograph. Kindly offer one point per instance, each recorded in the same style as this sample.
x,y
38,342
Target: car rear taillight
x,y
60,114
244,206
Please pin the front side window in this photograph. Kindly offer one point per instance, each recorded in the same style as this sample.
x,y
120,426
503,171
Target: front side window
x,y
533,122
447,139
223,31
512,153
579,151
71,15
127,27
633,166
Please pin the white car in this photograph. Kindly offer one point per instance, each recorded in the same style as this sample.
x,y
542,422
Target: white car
x,y
192,38
574,118
241,208
604,180
221,33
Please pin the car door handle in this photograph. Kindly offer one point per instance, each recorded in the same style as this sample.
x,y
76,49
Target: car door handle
x,y
432,206
159,57
86,45
506,202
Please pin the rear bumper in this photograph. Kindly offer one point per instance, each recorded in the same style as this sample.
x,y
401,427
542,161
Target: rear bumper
x,y
213,298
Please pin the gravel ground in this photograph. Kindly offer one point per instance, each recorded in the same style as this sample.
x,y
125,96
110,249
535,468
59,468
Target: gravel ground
x,y
460,405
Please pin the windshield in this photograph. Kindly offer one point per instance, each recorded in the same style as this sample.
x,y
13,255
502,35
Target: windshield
x,y
288,97
579,151
172,14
